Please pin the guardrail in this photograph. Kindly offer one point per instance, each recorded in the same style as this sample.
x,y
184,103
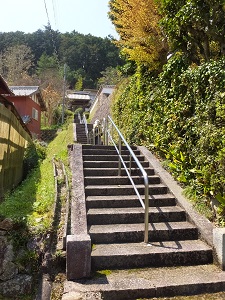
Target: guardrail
x,y
104,131
118,148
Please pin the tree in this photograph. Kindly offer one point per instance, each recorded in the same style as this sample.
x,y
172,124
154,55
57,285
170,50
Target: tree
x,y
50,76
79,84
52,99
141,38
110,76
196,27
85,55
16,64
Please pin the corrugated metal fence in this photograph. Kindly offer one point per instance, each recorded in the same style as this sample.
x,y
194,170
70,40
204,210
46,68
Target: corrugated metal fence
x,y
13,141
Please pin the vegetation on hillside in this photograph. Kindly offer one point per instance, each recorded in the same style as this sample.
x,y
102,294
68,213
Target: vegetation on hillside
x,y
86,56
177,110
32,202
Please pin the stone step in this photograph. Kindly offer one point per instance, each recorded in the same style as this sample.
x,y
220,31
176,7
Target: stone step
x,y
106,172
110,190
151,283
100,151
119,180
134,215
155,254
109,157
134,233
128,201
109,147
110,164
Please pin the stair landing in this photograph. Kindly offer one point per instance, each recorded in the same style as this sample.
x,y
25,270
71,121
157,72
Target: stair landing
x,y
149,283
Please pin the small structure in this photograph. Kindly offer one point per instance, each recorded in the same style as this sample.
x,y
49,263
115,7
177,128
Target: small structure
x,y
77,99
29,103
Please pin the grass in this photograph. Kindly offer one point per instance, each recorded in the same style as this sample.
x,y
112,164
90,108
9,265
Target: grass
x,y
33,200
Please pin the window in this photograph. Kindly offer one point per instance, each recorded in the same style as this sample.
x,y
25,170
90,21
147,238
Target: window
x,y
35,114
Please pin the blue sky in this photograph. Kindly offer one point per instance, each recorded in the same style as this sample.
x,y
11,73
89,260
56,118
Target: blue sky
x,y
83,16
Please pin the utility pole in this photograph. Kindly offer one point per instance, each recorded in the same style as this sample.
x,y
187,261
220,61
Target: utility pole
x,y
64,93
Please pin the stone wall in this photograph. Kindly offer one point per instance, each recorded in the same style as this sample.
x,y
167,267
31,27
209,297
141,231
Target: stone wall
x,y
102,108
12,282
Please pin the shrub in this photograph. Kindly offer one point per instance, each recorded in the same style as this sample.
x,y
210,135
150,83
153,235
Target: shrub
x,y
34,153
180,116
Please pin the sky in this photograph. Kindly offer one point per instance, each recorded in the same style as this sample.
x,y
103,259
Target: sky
x,y
83,16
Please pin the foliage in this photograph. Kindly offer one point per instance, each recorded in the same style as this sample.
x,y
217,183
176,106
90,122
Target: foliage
x,y
34,154
141,39
85,55
181,116
16,63
195,27
111,76
79,83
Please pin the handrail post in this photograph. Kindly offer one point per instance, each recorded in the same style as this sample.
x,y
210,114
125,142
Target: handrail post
x,y
130,164
112,131
93,131
106,132
119,170
103,131
146,210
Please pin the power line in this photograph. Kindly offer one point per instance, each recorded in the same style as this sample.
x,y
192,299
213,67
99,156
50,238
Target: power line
x,y
54,12
46,9
52,36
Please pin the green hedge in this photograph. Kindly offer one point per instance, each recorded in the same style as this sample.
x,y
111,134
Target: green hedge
x,y
180,115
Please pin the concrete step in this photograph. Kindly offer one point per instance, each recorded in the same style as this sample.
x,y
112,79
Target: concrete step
x,y
109,147
110,190
134,215
110,164
128,201
134,233
111,151
119,180
155,254
109,157
106,172
149,283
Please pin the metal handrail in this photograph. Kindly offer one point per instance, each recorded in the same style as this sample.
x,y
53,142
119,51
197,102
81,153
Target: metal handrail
x,y
79,117
106,134
84,121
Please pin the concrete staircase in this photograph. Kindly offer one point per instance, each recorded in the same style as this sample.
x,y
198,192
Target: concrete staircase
x,y
81,137
115,218
175,262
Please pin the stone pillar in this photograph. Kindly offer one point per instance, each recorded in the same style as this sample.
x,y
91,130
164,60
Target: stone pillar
x,y
219,245
78,261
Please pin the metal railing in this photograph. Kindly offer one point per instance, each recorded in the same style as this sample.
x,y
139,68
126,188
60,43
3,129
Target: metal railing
x,y
108,130
83,120
103,133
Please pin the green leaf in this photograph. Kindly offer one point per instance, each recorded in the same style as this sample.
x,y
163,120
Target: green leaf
x,y
221,199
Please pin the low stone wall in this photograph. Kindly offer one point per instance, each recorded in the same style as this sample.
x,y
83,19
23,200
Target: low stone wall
x,y
12,283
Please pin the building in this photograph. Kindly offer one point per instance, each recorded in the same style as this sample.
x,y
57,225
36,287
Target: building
x,y
29,103
78,99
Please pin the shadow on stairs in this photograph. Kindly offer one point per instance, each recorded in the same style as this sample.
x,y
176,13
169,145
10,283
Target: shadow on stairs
x,y
178,260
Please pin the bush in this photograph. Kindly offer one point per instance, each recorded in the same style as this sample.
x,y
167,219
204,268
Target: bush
x,y
34,153
180,116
